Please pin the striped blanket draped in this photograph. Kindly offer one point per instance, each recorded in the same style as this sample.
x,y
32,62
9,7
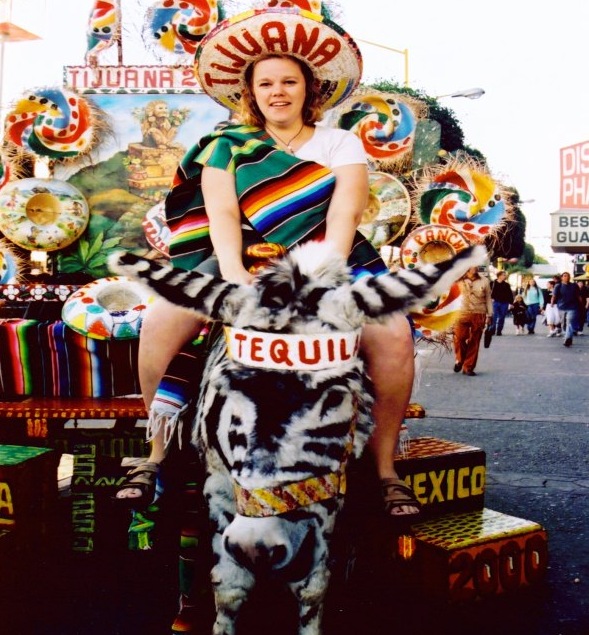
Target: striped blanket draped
x,y
283,198
48,359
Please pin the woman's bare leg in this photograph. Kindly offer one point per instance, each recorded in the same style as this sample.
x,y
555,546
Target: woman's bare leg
x,y
165,329
390,354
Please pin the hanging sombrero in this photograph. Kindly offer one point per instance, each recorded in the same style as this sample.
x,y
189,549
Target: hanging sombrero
x,y
224,54
5,171
108,308
9,263
388,211
174,27
384,122
55,123
104,28
43,214
430,244
463,195
436,319
156,230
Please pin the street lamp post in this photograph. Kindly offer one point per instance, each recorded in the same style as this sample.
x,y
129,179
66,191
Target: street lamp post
x,y
469,93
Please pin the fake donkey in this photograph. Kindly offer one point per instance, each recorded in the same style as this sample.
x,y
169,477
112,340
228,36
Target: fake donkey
x,y
283,405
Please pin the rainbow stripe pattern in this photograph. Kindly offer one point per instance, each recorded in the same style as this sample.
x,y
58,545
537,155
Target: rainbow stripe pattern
x,y
282,198
49,359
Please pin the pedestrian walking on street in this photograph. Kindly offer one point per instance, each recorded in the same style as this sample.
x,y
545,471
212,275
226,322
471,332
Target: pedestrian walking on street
x,y
534,299
502,297
519,311
583,302
475,314
551,312
566,297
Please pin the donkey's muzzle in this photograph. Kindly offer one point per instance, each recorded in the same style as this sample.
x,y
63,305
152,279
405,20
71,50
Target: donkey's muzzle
x,y
272,545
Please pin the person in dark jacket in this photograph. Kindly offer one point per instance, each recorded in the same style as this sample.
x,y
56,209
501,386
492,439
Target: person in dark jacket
x,y
566,296
519,310
502,297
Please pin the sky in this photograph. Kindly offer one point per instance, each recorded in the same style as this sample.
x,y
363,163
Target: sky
x,y
530,58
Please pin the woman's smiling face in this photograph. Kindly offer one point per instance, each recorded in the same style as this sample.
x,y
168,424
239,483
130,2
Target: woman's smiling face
x,y
279,88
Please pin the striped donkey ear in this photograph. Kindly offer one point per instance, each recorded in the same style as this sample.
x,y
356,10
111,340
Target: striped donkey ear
x,y
202,293
405,290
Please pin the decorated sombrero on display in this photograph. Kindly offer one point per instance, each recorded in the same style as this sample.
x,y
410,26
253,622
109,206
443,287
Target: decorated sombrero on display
x,y
9,263
437,318
156,230
174,27
388,211
463,195
42,214
104,28
223,55
5,171
430,244
108,308
55,123
384,122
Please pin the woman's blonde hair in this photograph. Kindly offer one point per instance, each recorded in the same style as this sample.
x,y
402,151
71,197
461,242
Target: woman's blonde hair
x,y
250,113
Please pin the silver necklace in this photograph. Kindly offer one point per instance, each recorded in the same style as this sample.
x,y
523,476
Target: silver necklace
x,y
286,144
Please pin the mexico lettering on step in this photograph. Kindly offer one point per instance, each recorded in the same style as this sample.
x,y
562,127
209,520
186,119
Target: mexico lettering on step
x,y
85,466
447,485
239,51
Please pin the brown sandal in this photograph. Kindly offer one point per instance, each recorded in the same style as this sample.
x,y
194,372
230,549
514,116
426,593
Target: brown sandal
x,y
396,493
144,478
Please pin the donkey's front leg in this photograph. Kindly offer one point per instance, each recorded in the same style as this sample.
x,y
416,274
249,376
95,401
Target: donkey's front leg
x,y
310,594
231,585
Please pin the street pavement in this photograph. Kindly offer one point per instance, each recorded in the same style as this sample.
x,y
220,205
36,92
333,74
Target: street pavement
x,y
528,408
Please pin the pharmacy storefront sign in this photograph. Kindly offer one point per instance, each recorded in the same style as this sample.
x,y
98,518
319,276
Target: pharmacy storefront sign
x,y
570,224
570,231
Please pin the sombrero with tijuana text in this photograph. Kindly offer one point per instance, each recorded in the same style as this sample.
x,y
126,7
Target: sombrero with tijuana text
x,y
225,53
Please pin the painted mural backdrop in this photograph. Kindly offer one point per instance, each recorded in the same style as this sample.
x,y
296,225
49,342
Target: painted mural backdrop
x,y
129,175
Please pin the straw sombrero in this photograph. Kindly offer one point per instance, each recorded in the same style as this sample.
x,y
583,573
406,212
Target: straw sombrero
x,y
388,211
108,308
462,194
225,53
42,214
386,124
431,244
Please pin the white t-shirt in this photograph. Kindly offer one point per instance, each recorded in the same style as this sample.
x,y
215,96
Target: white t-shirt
x,y
333,147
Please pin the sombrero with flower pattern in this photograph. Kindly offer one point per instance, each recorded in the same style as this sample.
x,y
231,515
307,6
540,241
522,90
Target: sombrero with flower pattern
x,y
225,53
463,195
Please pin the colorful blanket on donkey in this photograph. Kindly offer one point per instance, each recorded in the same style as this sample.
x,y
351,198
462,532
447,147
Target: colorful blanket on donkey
x,y
283,198
48,359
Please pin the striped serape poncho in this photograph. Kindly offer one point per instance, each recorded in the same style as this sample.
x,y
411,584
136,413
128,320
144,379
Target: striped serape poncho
x,y
282,197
